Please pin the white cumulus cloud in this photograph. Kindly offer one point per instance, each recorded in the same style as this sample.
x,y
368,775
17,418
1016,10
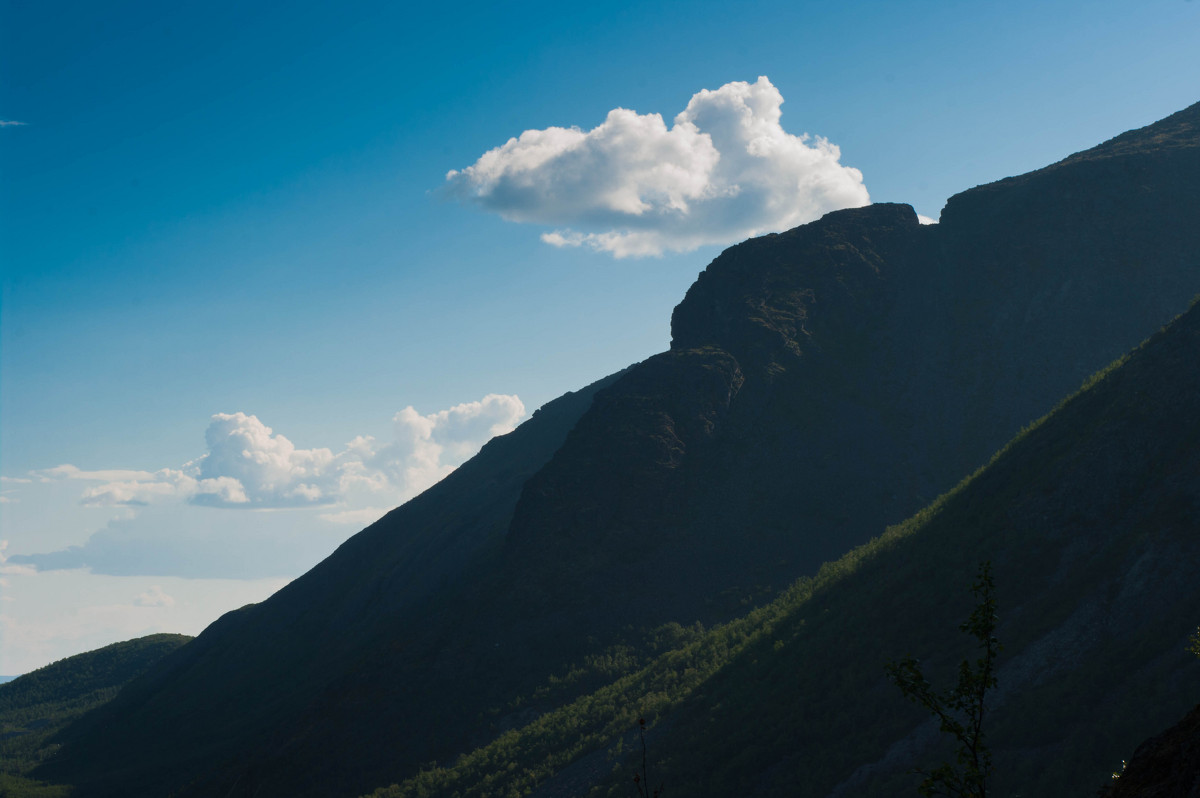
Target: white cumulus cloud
x,y
725,170
425,448
249,465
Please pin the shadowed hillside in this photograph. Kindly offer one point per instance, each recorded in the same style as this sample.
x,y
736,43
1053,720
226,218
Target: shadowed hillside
x,y
1090,520
822,383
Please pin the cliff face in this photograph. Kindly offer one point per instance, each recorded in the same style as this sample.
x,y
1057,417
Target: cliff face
x,y
821,384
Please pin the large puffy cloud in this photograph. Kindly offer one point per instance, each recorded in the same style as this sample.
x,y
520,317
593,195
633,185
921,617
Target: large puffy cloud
x,y
249,465
725,170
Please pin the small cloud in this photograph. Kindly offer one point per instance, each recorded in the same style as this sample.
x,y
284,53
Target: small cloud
x,y
12,123
154,597
926,219
140,491
68,471
723,171
5,498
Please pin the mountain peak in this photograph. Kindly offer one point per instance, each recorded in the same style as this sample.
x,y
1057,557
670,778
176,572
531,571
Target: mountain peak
x,y
758,294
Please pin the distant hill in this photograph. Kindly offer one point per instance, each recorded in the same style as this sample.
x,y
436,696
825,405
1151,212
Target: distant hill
x,y
35,706
821,384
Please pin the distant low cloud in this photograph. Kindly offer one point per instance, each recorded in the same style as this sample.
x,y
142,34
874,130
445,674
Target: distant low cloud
x,y
4,497
153,597
179,540
69,471
725,170
250,466
12,123
13,568
361,517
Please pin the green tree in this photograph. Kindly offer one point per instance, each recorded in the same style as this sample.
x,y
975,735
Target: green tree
x,y
961,709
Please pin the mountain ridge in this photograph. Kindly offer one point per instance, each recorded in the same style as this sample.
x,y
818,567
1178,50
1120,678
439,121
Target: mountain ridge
x,y
821,384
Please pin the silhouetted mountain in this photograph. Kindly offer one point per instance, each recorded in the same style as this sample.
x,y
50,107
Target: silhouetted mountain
x,y
1089,519
821,384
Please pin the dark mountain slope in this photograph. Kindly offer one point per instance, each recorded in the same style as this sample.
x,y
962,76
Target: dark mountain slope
x,y
822,383
255,670
1165,766
870,363
1091,519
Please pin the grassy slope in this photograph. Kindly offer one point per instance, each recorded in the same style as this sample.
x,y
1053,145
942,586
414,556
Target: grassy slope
x,y
35,706
1089,517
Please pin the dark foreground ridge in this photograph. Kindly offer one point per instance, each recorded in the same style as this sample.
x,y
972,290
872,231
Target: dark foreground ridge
x,y
1165,766
821,384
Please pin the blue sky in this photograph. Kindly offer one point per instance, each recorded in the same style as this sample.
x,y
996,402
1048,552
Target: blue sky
x,y
219,218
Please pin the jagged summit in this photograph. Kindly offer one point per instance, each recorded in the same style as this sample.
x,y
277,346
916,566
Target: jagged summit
x,y
758,293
